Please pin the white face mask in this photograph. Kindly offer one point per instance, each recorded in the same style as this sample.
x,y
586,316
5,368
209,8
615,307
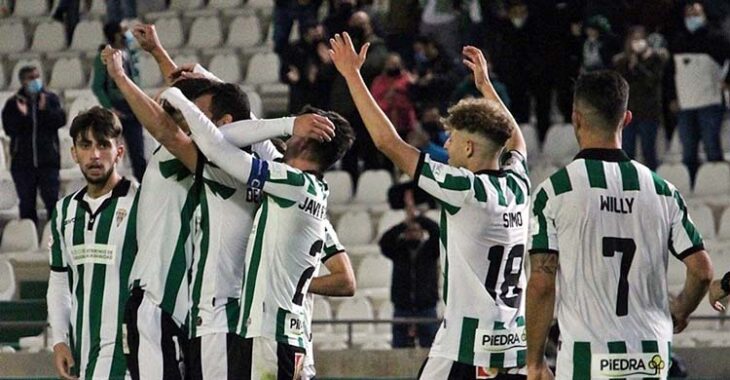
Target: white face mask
x,y
639,46
519,22
694,22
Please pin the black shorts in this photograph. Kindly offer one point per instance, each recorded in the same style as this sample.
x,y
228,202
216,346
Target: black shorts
x,y
263,358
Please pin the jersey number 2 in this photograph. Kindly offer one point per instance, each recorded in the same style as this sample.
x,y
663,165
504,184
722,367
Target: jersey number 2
x,y
627,247
511,277
307,275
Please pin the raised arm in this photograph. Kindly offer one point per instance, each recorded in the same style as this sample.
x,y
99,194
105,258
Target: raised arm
x,y
474,60
147,37
386,139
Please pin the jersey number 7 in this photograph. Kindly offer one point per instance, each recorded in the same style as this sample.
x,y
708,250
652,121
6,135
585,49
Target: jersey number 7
x,y
627,247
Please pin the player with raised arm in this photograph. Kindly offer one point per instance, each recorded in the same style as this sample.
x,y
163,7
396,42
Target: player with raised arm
x,y
484,195
602,230
286,241
94,243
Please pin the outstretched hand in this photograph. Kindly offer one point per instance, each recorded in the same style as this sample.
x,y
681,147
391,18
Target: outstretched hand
x,y
347,61
475,61
114,62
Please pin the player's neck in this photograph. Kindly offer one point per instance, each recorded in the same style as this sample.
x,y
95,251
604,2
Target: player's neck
x,y
97,190
476,164
600,142
303,164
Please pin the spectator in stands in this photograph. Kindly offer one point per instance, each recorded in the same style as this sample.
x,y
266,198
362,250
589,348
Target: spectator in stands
x,y
31,118
401,28
643,68
390,90
440,21
699,56
599,45
430,136
361,31
413,246
285,12
118,10
119,37
435,74
68,12
338,19
308,70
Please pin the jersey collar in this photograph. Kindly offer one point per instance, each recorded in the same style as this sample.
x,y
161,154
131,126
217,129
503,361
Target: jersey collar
x,y
120,190
491,172
610,155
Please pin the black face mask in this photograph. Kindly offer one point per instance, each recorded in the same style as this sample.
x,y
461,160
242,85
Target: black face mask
x,y
357,34
394,72
346,9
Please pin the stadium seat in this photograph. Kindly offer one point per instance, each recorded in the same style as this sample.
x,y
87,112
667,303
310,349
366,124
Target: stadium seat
x,y
67,73
3,163
702,217
149,72
88,36
48,37
678,175
98,8
374,275
65,144
355,228
45,243
226,67
560,144
340,185
7,280
385,312
723,230
8,196
529,132
19,236
2,86
263,68
170,32
224,4
713,179
372,189
14,80
321,311
30,8
183,5
434,215
355,308
257,107
388,220
540,173
244,32
185,58
15,44
82,103
205,33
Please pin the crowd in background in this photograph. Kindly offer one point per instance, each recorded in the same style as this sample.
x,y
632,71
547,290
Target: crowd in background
x,y
672,52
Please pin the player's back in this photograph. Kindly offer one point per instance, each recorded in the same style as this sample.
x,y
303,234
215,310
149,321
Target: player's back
x,y
613,222
166,206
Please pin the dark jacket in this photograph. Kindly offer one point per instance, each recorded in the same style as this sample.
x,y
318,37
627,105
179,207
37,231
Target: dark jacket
x,y
645,80
34,137
415,276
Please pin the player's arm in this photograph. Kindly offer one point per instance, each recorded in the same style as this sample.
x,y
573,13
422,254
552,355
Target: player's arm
x,y
340,282
696,284
539,311
150,114
148,40
384,135
474,60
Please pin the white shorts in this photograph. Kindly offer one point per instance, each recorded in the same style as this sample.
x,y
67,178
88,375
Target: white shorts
x,y
213,356
436,368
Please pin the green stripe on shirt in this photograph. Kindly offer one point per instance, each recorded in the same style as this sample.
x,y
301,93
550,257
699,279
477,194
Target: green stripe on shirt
x,y
250,278
596,174
540,239
629,176
561,182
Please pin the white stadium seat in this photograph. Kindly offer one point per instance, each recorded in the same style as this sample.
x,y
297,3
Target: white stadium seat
x,y
257,105
529,132
244,32
183,59
13,40
49,37
65,144
2,84
88,36
205,33
185,4
356,308
701,215
374,276
67,73
98,8
677,175
713,179
170,32
82,103
340,185
388,220
355,228
30,8
560,144
14,80
7,280
19,236
3,163
45,244
321,311
8,196
263,68
224,4
723,232
227,67
372,187
149,72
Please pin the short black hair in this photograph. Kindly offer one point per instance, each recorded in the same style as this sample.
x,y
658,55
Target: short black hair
x,y
25,70
228,98
606,92
192,88
327,153
102,123
111,29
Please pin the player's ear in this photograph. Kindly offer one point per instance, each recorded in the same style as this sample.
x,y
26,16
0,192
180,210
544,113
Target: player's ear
x,y
469,147
120,152
226,119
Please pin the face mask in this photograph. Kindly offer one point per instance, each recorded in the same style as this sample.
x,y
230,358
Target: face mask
x,y
694,22
35,86
128,38
639,46
358,34
519,22
393,72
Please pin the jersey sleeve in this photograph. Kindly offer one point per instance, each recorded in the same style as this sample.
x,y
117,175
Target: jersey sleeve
x,y
686,239
332,245
543,237
57,257
515,163
451,186
278,179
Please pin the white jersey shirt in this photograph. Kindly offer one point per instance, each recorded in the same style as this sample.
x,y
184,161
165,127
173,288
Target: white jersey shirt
x,y
612,221
96,248
167,203
223,224
483,233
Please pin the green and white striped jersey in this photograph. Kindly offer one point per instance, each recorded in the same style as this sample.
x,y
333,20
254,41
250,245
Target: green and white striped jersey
x,y
97,250
283,251
483,233
612,222
167,203
223,224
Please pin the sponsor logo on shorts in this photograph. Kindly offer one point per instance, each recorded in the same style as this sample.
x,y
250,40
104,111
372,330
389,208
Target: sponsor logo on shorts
x,y
627,365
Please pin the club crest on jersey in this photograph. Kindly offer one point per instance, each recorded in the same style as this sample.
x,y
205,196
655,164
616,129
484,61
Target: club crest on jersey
x,y
121,214
606,366
496,341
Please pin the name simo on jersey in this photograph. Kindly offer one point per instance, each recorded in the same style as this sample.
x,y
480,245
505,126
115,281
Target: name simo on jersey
x,y
512,219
